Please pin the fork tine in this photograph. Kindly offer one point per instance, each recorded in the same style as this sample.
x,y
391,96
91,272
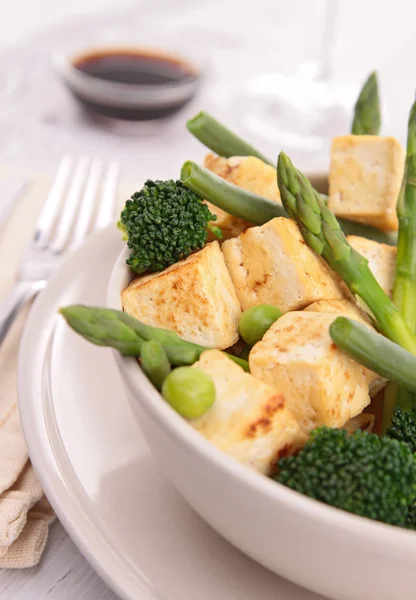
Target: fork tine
x,y
107,201
68,213
87,203
46,220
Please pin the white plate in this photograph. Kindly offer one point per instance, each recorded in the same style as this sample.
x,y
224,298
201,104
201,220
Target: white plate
x,y
97,471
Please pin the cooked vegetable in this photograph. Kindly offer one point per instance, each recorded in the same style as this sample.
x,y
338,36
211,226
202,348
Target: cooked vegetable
x,y
154,362
375,351
164,222
253,208
367,109
229,197
322,232
103,327
189,391
404,291
403,427
117,329
255,321
220,139
411,517
361,473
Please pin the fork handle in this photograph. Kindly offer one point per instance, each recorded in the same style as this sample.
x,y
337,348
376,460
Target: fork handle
x,y
13,302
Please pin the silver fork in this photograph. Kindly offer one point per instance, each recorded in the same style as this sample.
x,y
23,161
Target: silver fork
x,y
76,204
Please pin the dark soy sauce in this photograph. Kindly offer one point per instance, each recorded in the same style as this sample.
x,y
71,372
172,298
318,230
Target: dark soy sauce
x,y
141,68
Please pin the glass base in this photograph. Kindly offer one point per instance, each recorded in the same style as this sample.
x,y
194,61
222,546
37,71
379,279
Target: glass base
x,y
293,111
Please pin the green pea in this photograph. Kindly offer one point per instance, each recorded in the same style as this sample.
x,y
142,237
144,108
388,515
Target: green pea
x,y
154,362
255,321
189,391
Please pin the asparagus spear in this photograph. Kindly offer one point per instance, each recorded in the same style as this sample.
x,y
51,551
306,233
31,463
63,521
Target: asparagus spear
x,y
404,292
254,208
117,329
220,139
375,351
367,109
154,362
103,327
229,197
322,233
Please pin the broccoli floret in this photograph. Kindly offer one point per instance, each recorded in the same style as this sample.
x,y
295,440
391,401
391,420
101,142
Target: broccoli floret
x,y
411,517
403,427
164,223
361,473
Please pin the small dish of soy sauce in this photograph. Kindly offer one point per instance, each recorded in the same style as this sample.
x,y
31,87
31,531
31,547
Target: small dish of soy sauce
x,y
129,82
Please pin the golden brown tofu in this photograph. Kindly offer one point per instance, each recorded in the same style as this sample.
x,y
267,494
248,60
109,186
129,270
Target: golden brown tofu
x,y
249,173
365,178
381,260
347,308
249,419
321,384
194,297
272,264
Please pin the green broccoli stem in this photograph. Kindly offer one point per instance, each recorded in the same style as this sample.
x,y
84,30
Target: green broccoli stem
x,y
228,196
221,140
119,330
251,207
404,292
367,118
374,351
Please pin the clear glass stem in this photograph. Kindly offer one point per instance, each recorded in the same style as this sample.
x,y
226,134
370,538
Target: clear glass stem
x,y
320,70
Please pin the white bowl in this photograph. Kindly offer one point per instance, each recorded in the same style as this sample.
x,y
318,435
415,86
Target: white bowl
x,y
324,549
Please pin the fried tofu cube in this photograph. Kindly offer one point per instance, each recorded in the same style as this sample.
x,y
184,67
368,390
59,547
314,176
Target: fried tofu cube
x,y
381,260
249,419
251,174
346,308
321,384
272,264
365,178
194,297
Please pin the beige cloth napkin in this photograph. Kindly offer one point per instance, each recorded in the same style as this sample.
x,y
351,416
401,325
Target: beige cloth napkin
x,y
25,513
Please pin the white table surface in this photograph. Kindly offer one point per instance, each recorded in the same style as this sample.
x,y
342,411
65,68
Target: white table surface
x,y
371,33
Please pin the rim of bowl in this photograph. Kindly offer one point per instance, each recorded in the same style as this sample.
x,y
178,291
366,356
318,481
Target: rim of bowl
x,y
355,527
